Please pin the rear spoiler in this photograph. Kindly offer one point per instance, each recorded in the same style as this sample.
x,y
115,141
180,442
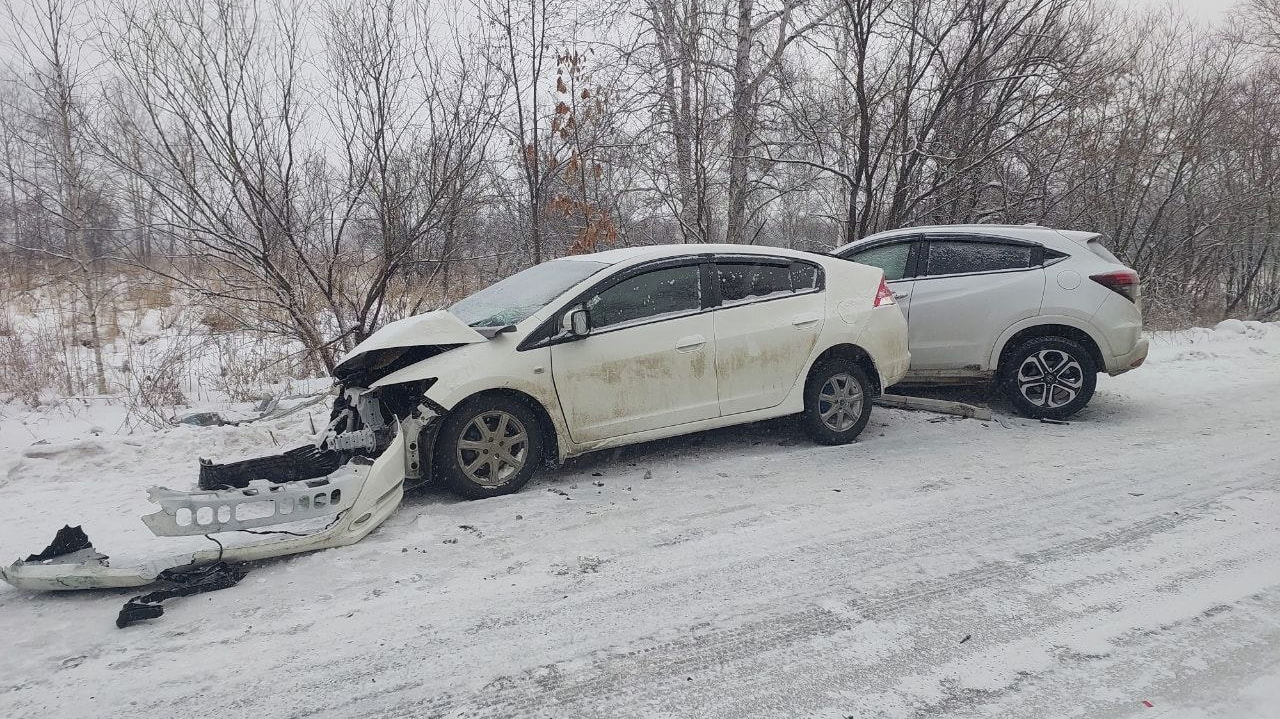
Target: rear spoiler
x,y
1079,236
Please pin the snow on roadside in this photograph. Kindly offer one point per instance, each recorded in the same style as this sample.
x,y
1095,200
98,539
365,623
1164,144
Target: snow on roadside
x,y
734,573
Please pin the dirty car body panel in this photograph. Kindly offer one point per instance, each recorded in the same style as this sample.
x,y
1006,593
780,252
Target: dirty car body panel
x,y
678,362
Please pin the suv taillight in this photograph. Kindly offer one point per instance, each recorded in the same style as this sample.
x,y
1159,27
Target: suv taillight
x,y
1124,282
884,295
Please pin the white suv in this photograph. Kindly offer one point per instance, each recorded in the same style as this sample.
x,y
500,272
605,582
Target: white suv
x,y
1040,311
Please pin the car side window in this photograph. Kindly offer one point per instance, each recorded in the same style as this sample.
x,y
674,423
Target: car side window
x,y
953,257
890,258
669,291
741,281
804,277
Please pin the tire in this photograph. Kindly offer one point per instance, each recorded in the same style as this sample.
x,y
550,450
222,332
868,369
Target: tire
x,y
488,446
1070,369
829,382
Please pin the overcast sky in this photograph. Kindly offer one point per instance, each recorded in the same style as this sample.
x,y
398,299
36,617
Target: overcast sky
x,y
1206,9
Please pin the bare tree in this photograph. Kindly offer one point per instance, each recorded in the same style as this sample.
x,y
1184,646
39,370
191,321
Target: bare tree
x,y
49,41
521,49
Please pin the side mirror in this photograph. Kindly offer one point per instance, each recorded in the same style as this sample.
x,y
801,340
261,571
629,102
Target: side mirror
x,y
576,322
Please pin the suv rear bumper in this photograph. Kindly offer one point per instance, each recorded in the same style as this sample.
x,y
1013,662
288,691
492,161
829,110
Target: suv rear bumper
x,y
1132,360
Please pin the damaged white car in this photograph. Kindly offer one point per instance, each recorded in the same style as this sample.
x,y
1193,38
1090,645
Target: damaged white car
x,y
567,357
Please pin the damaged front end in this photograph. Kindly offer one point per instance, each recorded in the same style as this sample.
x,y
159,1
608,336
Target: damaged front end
x,y
330,493
355,498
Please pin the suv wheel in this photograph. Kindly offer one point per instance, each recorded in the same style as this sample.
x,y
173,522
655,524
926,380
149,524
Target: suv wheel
x,y
488,446
1049,377
837,402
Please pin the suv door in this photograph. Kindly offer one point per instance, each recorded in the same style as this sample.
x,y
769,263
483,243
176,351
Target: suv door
x,y
649,360
898,260
969,289
771,312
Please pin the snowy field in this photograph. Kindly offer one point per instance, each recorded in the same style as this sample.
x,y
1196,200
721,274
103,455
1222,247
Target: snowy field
x,y
1124,565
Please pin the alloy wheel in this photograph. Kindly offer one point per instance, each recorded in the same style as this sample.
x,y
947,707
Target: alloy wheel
x,y
493,447
1050,378
840,402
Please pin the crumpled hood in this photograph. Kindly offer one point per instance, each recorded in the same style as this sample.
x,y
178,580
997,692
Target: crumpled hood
x,y
438,328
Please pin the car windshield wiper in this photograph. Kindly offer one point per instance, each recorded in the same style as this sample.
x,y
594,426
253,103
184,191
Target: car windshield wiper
x,y
491,331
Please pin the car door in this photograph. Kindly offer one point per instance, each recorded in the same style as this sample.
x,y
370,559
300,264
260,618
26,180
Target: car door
x,y
898,260
969,289
648,361
771,312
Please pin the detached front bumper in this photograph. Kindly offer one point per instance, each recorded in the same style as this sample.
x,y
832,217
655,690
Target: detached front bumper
x,y
359,496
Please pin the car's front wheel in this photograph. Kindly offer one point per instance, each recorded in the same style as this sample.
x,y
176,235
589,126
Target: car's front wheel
x,y
488,446
1049,377
837,402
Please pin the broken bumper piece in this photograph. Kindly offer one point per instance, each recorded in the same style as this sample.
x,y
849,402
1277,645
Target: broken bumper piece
x,y
305,462
258,504
358,496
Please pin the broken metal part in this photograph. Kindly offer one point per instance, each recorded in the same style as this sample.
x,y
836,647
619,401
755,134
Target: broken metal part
x,y
934,405
187,581
258,504
420,435
370,410
305,462
363,440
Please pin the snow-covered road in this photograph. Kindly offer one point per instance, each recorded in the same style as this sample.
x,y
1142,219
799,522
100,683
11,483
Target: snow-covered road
x,y
938,567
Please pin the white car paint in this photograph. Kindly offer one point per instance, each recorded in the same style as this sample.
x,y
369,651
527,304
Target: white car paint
x,y
710,368
958,320
960,324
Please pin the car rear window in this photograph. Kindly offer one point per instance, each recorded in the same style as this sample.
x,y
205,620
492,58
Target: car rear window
x,y
953,257
749,281
804,276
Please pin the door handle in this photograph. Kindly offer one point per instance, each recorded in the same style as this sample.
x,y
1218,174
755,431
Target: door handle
x,y
901,295
805,321
690,343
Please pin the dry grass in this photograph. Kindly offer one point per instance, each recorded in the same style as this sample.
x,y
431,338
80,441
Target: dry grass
x,y
219,320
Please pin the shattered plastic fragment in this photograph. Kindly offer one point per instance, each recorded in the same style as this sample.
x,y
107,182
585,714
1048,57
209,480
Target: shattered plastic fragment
x,y
300,463
209,578
69,544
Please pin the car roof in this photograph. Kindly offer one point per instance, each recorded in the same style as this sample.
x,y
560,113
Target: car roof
x,y
1066,240
654,252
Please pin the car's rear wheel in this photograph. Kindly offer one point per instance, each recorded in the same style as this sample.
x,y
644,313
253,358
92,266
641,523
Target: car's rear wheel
x,y
837,402
488,446
1049,377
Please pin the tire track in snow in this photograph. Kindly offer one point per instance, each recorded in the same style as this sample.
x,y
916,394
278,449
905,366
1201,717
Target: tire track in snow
x,y
590,688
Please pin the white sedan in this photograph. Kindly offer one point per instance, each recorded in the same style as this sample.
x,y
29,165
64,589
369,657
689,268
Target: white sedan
x,y
567,357
629,345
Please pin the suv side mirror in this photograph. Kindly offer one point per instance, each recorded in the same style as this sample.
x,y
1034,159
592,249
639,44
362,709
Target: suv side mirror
x,y
576,322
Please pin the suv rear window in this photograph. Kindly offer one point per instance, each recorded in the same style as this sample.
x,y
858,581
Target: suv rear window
x,y
890,258
953,257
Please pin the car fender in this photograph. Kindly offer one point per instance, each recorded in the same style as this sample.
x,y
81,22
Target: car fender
x,y
849,314
1013,329
496,365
